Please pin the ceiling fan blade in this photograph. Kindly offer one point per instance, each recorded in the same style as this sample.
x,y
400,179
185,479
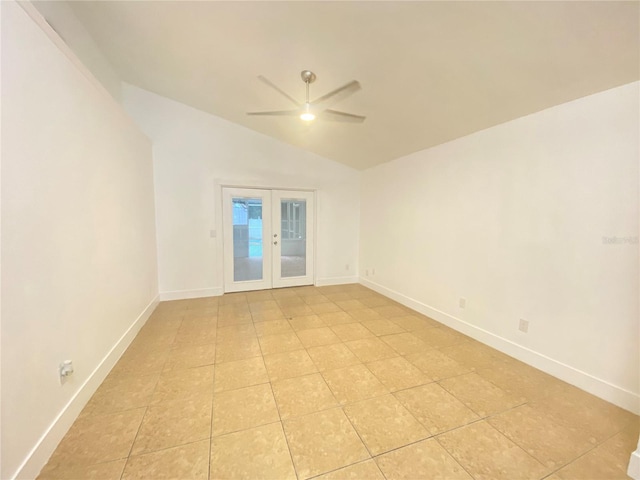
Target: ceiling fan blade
x,y
336,95
277,89
276,112
335,116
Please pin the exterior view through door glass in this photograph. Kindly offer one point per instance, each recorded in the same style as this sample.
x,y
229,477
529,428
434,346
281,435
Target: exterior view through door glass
x,y
247,229
293,256
293,238
247,239
268,238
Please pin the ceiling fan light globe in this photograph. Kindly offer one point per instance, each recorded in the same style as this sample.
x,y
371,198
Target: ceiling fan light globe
x,y
307,116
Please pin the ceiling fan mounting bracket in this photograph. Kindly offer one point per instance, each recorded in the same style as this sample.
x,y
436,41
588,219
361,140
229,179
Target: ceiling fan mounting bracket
x,y
308,76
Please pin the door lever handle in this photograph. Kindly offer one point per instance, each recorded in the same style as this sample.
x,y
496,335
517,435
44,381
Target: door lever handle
x,y
275,243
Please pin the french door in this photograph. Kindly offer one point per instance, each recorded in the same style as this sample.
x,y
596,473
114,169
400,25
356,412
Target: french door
x,y
268,238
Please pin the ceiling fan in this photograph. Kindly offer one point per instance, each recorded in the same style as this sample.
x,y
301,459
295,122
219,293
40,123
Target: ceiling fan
x,y
320,107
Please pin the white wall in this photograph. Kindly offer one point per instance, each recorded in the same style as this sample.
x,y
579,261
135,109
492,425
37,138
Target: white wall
x,y
193,153
513,218
78,252
65,22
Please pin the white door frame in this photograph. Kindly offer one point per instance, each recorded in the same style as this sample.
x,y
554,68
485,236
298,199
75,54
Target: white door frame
x,y
220,186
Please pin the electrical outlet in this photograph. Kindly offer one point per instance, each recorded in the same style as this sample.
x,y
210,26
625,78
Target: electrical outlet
x,y
366,272
373,271
462,303
65,370
524,325
346,267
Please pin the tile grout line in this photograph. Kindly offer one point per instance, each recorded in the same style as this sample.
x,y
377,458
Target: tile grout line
x,y
288,319
454,458
356,430
347,466
515,443
563,465
339,405
284,433
146,410
213,397
472,409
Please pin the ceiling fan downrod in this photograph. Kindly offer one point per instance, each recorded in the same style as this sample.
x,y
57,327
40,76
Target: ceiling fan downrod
x,y
307,77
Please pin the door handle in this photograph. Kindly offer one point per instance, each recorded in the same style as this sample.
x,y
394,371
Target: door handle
x,y
275,243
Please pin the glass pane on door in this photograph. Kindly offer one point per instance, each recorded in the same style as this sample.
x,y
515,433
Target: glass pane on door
x,y
247,239
293,238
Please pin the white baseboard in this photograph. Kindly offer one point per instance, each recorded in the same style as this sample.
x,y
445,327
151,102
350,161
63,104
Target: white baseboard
x,y
618,396
185,294
325,281
217,291
634,464
41,452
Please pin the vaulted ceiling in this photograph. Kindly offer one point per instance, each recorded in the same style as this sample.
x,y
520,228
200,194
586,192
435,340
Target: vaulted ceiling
x,y
430,71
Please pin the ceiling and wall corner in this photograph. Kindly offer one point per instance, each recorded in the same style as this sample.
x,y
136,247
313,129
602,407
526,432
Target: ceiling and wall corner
x,y
60,16
430,71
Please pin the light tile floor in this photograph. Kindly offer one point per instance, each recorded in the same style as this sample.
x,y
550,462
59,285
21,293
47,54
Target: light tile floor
x,y
333,383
